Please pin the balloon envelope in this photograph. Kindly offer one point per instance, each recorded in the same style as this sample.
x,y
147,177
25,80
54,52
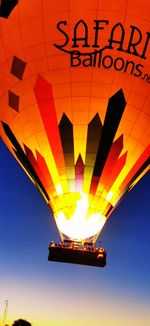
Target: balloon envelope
x,y
74,103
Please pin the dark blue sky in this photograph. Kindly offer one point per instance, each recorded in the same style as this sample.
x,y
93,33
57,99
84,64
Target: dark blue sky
x,y
59,294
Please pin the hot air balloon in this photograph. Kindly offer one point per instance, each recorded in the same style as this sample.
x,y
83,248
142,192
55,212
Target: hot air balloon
x,y
74,108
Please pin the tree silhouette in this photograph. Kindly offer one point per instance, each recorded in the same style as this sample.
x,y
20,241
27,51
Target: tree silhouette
x,y
21,322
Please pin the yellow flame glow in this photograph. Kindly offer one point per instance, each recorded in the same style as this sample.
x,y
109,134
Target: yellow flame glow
x,y
83,223
109,196
59,189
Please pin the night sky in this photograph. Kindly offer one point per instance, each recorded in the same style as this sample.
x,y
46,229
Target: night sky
x,y
47,293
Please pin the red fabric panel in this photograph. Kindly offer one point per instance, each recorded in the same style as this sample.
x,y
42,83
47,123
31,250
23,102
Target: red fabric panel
x,y
94,184
112,159
116,171
46,182
44,96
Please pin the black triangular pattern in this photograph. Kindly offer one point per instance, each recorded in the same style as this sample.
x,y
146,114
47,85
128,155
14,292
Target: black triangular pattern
x,y
115,109
13,101
24,159
18,67
66,135
93,135
6,7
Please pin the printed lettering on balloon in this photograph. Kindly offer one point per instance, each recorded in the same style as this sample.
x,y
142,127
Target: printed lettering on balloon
x,y
98,51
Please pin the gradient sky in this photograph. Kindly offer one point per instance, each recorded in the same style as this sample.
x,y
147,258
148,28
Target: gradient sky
x,y
57,294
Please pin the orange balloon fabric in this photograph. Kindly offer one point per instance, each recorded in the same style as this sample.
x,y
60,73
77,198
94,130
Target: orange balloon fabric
x,y
75,103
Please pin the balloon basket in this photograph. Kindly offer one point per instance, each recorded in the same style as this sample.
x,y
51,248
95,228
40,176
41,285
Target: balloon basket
x,y
76,253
